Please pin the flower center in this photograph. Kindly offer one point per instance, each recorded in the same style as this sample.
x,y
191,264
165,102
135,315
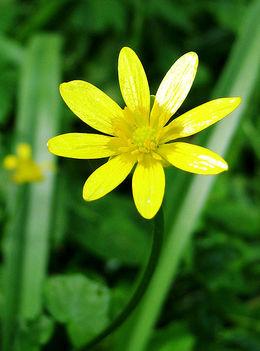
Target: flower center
x,y
144,138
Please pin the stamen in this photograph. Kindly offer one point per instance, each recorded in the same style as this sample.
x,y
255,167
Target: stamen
x,y
134,135
144,138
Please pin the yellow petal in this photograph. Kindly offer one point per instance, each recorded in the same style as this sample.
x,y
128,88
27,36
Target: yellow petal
x,y
10,162
148,187
199,118
24,151
91,105
107,177
81,145
27,172
193,158
133,83
174,88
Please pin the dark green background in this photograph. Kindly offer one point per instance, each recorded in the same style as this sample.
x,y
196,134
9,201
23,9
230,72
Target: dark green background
x,y
214,304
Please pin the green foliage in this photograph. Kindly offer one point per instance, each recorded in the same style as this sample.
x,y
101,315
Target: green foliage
x,y
222,10
102,16
7,90
175,336
128,245
34,334
80,303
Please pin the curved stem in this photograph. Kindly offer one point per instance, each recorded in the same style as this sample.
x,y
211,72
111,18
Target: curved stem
x,y
141,289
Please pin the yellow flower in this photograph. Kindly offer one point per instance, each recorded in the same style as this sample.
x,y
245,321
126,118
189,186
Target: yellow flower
x,y
138,135
24,167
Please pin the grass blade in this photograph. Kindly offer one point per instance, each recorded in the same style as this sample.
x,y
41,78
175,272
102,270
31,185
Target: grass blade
x,y
11,50
30,206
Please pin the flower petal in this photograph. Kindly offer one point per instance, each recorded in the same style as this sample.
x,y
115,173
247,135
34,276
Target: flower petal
x,y
24,151
148,187
10,162
193,158
199,118
107,177
133,82
91,105
81,145
174,88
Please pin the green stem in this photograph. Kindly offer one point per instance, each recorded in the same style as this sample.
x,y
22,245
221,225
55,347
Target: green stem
x,y
132,304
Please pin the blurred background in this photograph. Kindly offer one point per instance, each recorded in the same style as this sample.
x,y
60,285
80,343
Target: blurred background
x,y
68,267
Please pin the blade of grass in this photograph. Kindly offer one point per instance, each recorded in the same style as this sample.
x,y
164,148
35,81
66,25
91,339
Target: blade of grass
x,y
40,209
44,13
11,50
238,79
30,206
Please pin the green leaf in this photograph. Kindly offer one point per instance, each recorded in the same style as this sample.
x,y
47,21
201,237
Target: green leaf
x,y
38,108
241,339
83,328
26,241
11,51
8,14
1,293
103,15
222,10
235,216
8,80
34,333
174,13
80,303
119,298
115,231
175,336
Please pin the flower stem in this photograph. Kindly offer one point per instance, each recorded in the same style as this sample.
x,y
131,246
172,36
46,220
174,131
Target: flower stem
x,y
142,287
